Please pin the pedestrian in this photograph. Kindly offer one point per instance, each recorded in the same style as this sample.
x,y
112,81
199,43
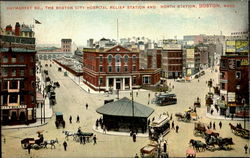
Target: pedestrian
x,y
87,105
173,125
70,119
134,137
29,148
81,139
194,108
173,87
65,145
148,102
148,122
78,119
104,129
214,125
84,140
212,111
148,95
94,139
177,128
136,156
88,90
198,80
232,116
210,125
220,124
246,147
153,119
137,94
165,147
96,124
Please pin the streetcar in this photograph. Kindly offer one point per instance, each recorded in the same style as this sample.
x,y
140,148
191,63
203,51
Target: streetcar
x,y
159,127
165,99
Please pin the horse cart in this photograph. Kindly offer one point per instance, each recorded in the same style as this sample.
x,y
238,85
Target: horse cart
x,y
87,135
149,151
239,131
59,120
222,143
32,143
187,116
200,130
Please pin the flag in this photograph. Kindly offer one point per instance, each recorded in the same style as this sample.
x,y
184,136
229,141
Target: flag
x,y
37,22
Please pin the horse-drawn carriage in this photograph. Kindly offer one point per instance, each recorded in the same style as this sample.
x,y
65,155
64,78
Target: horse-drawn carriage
x,y
59,120
222,143
239,131
201,130
187,116
33,143
153,150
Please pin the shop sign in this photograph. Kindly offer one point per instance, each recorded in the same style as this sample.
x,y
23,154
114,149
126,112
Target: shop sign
x,y
13,107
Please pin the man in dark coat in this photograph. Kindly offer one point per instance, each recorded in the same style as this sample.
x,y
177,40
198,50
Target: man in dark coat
x,y
134,137
65,145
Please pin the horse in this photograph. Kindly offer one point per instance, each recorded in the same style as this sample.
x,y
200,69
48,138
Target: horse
x,y
197,144
50,142
69,133
233,128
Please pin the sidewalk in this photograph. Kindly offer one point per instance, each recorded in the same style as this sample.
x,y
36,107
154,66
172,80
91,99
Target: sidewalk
x,y
220,117
32,125
99,130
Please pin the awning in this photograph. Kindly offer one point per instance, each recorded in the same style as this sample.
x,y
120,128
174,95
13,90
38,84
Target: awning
x,y
231,104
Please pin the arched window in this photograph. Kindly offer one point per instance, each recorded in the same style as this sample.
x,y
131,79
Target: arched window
x,y
109,58
118,58
126,58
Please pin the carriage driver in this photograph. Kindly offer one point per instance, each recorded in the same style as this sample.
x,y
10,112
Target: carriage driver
x,y
79,130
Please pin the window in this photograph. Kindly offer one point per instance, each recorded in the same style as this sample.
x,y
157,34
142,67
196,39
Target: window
x,y
4,99
134,80
222,75
117,68
33,84
126,58
13,72
238,63
109,68
13,84
13,58
5,59
100,68
134,68
13,98
22,85
117,58
101,59
21,59
238,75
134,58
146,80
4,72
109,58
222,85
100,80
22,72
32,99
125,68
22,99
223,64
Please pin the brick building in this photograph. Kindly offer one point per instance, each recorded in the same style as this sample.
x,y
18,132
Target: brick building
x,y
66,45
17,79
172,63
116,68
234,92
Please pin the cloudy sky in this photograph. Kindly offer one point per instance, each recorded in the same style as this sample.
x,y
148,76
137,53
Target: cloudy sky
x,y
82,24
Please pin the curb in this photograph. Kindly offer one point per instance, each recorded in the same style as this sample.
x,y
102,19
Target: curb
x,y
8,128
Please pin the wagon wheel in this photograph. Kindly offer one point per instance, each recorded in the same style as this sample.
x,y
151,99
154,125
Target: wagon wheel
x,y
24,145
36,146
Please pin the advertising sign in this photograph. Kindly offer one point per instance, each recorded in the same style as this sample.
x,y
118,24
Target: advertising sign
x,y
190,55
172,46
231,96
230,46
242,46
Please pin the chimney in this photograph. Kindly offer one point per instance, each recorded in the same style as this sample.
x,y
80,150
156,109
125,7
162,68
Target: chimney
x,y
17,29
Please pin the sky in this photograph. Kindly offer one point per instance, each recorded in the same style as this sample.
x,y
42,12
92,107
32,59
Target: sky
x,y
158,23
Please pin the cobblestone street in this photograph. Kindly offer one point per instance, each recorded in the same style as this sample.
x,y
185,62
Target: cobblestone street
x,y
71,100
